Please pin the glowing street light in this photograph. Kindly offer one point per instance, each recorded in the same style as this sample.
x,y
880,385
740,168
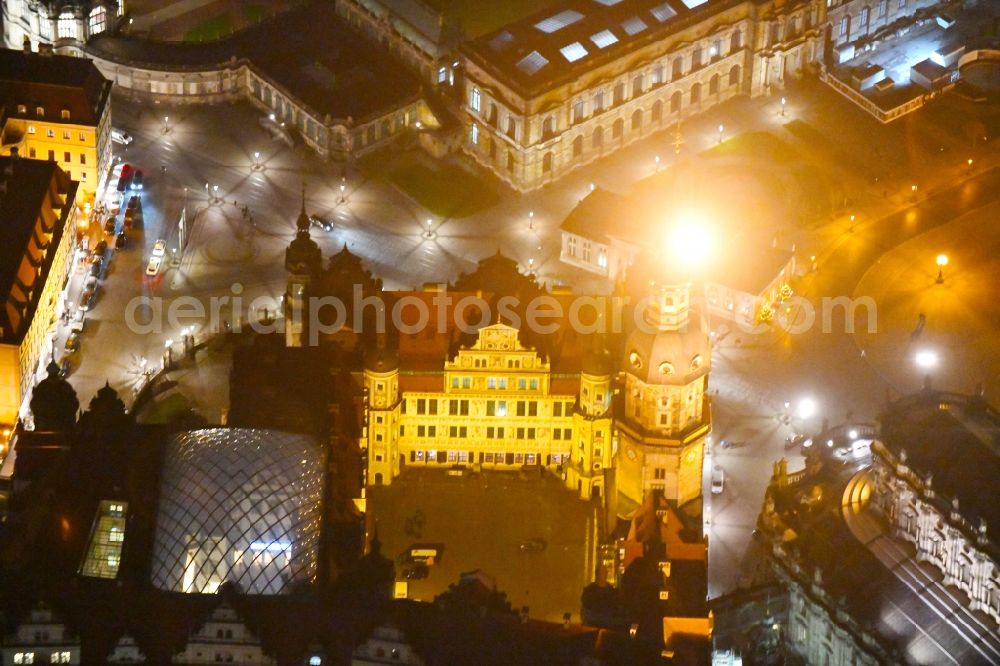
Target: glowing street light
x,y
256,161
969,162
926,359
806,408
721,130
531,220
941,261
783,106
429,233
166,124
852,224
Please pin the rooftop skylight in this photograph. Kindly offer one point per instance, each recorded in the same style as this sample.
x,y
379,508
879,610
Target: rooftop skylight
x,y
559,21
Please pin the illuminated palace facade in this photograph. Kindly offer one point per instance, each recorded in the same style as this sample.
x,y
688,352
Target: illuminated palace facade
x,y
550,93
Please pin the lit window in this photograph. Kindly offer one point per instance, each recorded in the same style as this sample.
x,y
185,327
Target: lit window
x,y
558,21
31,129
64,114
474,134
40,111
603,39
475,100
573,52
67,26
22,109
98,19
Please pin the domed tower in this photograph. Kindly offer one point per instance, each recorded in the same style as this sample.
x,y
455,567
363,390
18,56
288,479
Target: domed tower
x,y
591,454
54,404
664,418
381,376
302,261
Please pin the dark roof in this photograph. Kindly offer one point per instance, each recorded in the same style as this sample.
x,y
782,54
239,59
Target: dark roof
x,y
26,184
956,439
558,44
53,82
599,216
308,51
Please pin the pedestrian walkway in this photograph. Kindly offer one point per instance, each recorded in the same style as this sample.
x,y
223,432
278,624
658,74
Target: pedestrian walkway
x,y
936,617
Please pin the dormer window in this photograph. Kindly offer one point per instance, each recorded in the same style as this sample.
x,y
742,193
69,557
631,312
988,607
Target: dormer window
x,y
635,360
40,111
22,108
64,114
666,368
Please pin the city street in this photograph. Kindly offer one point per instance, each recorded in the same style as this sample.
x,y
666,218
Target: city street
x,y
204,148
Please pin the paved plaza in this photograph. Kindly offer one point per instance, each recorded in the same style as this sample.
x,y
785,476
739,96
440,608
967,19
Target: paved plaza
x,y
482,520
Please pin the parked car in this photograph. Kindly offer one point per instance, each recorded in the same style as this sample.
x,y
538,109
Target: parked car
x,y
95,270
137,180
72,342
533,546
86,299
65,368
129,218
120,136
160,248
134,201
121,241
109,225
125,179
153,267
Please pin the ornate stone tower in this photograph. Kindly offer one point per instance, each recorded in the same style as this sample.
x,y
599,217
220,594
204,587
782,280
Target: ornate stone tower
x,y
381,376
664,417
302,261
591,454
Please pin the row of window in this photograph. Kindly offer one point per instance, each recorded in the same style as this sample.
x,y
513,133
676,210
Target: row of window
x,y
598,101
67,156
864,17
502,383
61,657
51,133
587,254
494,457
492,432
460,407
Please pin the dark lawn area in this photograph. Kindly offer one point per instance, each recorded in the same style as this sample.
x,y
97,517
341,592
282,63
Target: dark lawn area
x,y
482,520
446,190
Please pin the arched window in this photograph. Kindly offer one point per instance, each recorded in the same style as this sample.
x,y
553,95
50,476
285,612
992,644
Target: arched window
x,y
578,145
678,69
494,115
67,26
735,42
617,129
548,127
619,94
734,75
637,86
675,102
98,20
696,93
598,138
713,85
637,119
547,163
378,478
657,113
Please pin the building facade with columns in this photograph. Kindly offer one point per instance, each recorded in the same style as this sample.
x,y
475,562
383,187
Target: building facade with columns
x,y
935,475
550,93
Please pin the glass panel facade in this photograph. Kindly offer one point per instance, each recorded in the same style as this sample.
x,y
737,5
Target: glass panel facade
x,y
104,552
238,505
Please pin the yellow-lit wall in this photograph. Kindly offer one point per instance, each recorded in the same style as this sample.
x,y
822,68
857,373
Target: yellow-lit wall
x,y
19,362
87,147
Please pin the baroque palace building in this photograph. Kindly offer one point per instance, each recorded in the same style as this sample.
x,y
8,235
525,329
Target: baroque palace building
x,y
619,417
585,78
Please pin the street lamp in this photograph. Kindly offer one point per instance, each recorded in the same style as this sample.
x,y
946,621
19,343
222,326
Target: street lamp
x,y
429,233
531,266
941,261
656,163
852,224
926,359
166,124
215,193
806,408
531,220
783,106
721,130
970,164
343,190
913,192
256,161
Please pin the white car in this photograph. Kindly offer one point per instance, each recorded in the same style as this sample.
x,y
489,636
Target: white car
x,y
160,248
118,136
153,267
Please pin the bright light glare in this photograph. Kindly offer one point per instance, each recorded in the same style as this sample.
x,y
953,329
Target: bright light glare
x,y
807,407
942,260
926,359
690,241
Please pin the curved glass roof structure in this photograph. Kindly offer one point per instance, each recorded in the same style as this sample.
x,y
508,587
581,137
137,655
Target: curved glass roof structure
x,y
238,505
